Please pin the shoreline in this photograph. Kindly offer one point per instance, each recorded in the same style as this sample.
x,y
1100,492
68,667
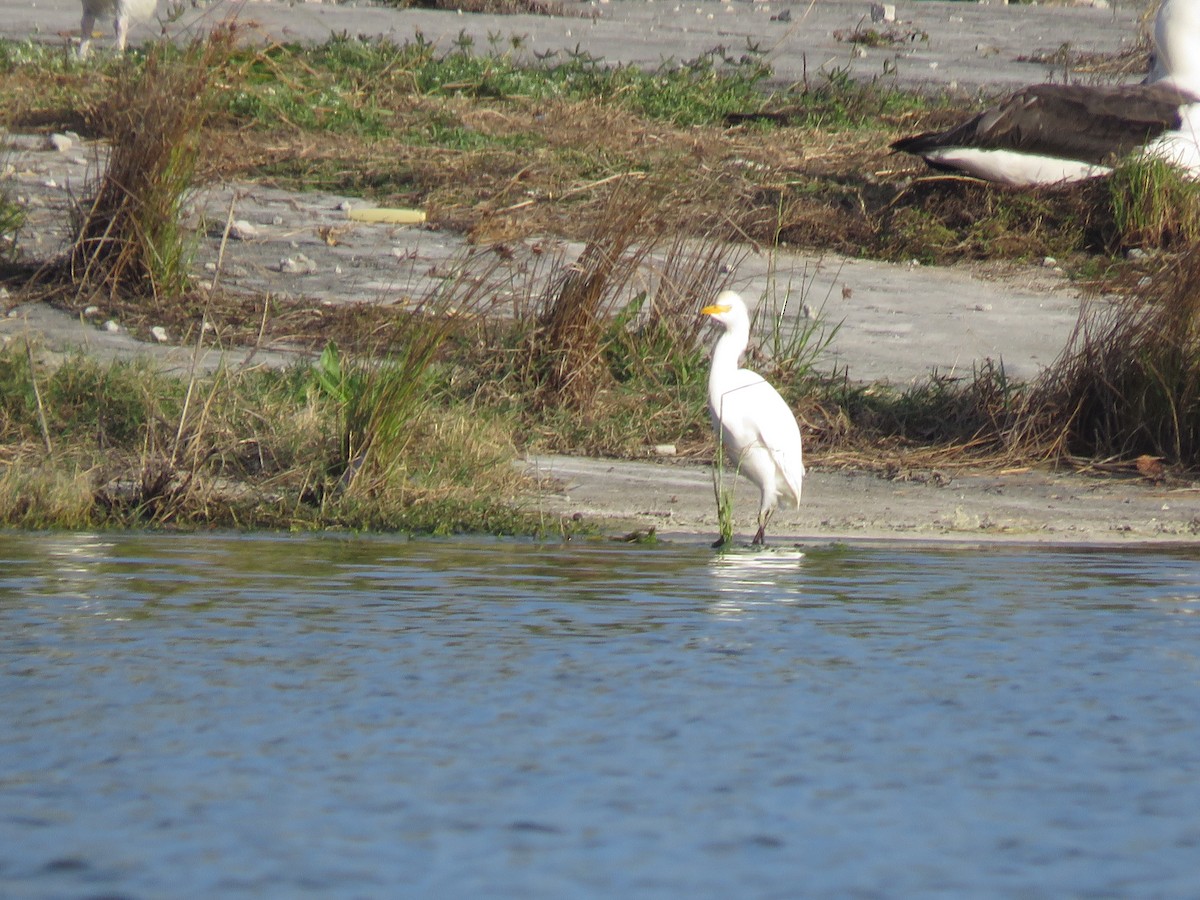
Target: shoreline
x,y
1030,507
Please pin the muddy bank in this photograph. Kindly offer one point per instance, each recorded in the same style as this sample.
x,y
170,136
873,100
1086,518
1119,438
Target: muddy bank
x,y
676,499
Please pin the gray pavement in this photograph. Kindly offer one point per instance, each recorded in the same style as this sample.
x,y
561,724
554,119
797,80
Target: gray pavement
x,y
968,45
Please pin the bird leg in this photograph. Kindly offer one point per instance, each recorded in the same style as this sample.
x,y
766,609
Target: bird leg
x,y
121,31
85,34
760,536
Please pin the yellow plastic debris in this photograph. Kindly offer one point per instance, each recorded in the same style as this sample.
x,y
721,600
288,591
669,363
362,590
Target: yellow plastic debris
x,y
388,216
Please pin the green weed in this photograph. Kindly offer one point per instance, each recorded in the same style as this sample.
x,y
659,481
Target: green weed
x,y
723,494
1153,205
12,214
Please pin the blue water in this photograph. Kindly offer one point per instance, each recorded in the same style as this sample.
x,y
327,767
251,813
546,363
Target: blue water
x,y
202,716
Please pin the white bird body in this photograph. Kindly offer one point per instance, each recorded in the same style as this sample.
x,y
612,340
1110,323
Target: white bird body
x,y
120,11
1177,43
753,422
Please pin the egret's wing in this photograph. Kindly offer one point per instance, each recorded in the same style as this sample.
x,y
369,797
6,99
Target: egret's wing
x,y
750,413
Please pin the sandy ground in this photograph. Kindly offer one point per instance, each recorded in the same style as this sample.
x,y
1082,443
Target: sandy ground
x,y
677,500
896,322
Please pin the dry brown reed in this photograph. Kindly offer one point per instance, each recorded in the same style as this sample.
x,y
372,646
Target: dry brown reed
x,y
629,303
568,345
1129,382
128,240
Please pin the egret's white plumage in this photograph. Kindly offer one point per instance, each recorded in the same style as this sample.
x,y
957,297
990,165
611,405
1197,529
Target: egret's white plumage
x,y
1177,43
120,11
754,424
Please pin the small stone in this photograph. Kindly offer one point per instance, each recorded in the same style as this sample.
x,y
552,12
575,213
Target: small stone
x,y
1136,254
159,334
277,220
1145,281
345,206
664,450
983,307
883,12
297,265
60,142
91,311
111,327
50,183
1049,262
241,230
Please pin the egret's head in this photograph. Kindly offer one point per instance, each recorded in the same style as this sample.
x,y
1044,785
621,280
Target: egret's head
x,y
726,308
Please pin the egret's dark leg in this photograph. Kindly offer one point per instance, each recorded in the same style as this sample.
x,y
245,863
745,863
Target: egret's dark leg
x,y
760,536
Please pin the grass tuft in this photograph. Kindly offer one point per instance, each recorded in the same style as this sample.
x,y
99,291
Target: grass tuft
x,y
129,241
1129,383
1153,206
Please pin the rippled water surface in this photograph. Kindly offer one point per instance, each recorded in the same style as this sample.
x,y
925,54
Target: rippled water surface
x,y
202,716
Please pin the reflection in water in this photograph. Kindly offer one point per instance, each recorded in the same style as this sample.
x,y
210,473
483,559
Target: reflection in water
x,y
271,715
75,561
744,577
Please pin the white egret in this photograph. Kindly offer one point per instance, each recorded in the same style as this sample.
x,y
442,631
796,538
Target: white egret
x,y
120,11
754,424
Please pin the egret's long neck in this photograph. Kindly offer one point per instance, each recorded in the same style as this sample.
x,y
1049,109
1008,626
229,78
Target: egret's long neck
x,y
1176,35
729,349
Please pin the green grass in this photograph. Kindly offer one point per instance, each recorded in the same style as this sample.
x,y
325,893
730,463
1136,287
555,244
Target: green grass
x,y
133,447
355,86
833,98
12,217
1153,205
